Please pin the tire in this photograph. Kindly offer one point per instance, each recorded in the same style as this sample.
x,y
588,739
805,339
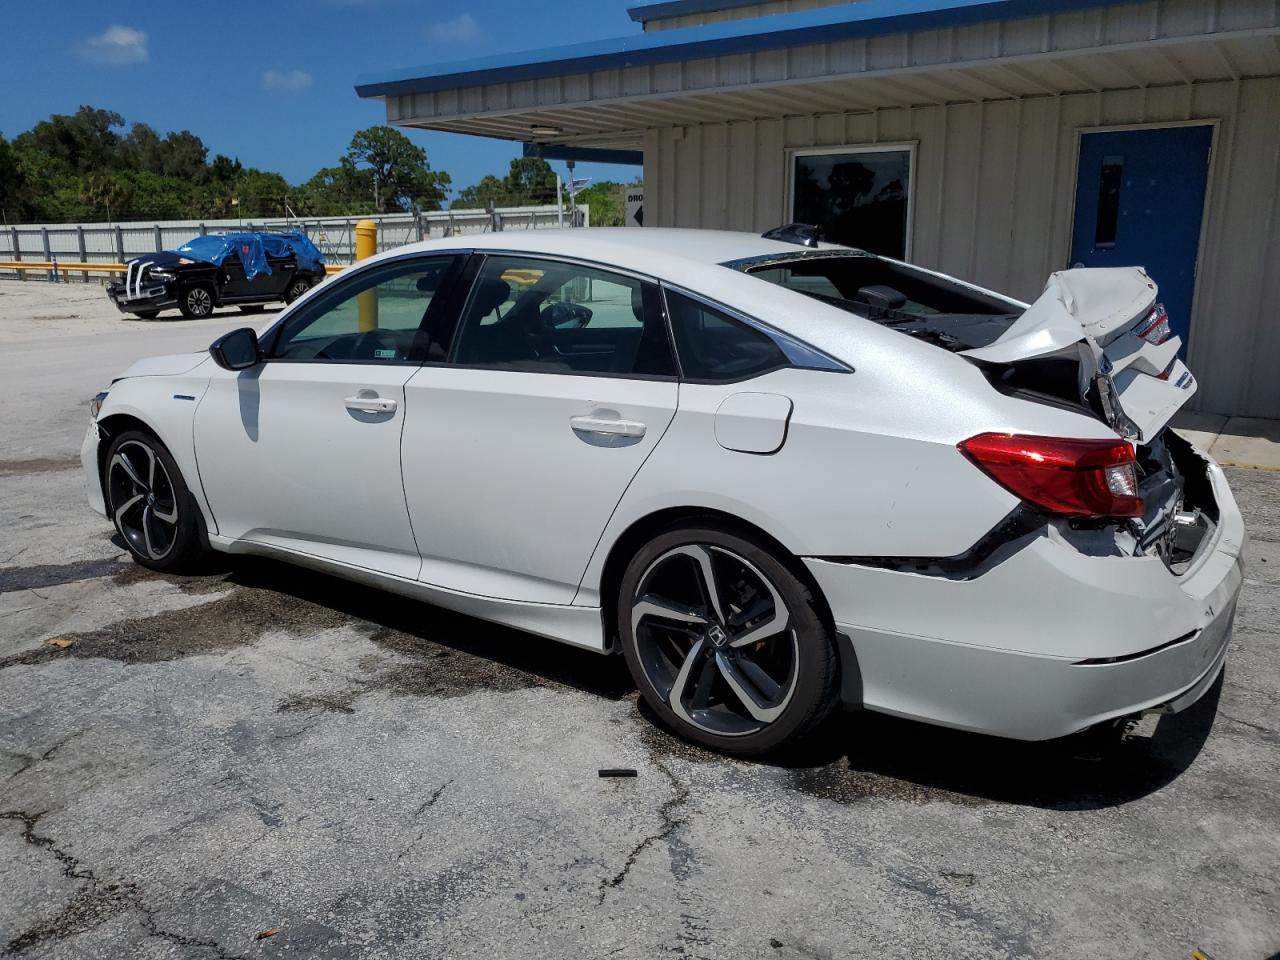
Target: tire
x,y
297,287
252,308
146,314
692,665
196,301
150,504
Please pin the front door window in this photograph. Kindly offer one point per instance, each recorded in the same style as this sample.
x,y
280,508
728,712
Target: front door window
x,y
390,314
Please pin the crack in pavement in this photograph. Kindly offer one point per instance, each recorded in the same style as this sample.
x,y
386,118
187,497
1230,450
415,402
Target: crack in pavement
x,y
670,823
30,761
1267,734
1010,942
93,904
429,802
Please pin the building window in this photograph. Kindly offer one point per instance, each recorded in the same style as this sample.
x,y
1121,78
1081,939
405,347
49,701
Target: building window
x,y
1109,181
860,198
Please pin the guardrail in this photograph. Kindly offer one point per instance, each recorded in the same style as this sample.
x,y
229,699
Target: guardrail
x,y
109,244
56,266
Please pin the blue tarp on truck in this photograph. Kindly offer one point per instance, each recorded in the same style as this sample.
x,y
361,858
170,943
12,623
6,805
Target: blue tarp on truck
x,y
253,250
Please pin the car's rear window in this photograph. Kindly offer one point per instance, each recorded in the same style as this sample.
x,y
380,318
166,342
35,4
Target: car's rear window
x,y
862,281
913,301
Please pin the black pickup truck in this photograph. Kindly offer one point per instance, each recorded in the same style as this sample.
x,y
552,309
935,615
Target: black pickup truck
x,y
220,269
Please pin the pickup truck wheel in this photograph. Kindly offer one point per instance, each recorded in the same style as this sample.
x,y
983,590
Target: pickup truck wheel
x,y
196,301
296,289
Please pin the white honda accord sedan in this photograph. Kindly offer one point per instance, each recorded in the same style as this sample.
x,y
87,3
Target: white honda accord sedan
x,y
777,475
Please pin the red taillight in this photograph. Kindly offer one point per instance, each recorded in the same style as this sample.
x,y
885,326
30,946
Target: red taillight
x,y
1154,327
1074,478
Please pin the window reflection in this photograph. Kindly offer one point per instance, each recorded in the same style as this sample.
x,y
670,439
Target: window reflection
x,y
859,199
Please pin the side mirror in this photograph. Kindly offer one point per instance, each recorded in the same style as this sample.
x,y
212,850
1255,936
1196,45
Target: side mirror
x,y
237,350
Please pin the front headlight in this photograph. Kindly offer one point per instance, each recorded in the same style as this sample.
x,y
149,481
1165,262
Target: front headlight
x,y
154,274
95,405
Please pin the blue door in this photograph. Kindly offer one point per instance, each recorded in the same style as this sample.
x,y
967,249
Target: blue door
x,y
1140,202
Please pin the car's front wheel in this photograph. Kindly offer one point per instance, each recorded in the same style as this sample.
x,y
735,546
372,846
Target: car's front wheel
x,y
150,503
725,642
196,301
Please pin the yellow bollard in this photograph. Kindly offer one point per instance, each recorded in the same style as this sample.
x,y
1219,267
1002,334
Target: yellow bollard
x,y
367,301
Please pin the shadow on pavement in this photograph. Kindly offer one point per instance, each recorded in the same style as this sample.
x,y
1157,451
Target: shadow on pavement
x,y
399,619
853,757
857,753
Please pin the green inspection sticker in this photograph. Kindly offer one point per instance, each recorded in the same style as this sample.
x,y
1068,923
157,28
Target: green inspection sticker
x,y
384,354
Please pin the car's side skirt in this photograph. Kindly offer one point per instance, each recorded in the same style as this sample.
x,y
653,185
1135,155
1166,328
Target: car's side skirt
x,y
578,626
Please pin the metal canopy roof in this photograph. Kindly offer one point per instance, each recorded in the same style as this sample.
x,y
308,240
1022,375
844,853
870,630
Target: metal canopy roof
x,y
869,18
682,8
848,59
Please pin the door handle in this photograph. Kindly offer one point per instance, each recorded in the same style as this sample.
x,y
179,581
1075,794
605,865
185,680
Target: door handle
x,y
370,404
599,426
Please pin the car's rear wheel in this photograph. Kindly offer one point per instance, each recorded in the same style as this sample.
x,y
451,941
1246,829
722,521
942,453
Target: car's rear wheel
x,y
196,301
296,288
725,643
150,503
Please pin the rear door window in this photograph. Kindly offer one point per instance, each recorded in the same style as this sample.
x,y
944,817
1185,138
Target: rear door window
x,y
551,316
714,346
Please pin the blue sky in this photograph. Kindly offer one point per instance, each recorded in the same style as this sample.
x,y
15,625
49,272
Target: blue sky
x,y
273,84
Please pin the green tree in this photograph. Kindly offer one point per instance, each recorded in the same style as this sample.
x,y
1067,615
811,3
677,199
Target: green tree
x,y
337,191
184,155
14,189
86,141
399,174
607,202
143,148
529,180
223,169
102,194
479,195
261,194
82,166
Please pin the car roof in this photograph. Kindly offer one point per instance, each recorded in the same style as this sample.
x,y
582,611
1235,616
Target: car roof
x,y
645,249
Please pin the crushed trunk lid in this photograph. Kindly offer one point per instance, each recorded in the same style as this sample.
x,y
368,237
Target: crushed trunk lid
x,y
1109,317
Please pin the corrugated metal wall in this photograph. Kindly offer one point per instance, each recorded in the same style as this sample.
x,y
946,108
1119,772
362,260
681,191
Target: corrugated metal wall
x,y
993,197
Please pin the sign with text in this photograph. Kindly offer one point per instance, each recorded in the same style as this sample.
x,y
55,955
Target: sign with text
x,y
635,207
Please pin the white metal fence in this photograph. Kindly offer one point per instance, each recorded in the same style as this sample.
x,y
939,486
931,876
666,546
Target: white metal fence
x,y
335,236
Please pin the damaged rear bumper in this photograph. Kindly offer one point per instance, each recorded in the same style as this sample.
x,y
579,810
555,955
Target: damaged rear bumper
x,y
1047,642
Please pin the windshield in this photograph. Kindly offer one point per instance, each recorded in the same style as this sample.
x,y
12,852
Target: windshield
x,y
895,294
208,248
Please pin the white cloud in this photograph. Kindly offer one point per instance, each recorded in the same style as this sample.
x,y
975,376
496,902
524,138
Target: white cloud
x,y
459,29
286,81
116,46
